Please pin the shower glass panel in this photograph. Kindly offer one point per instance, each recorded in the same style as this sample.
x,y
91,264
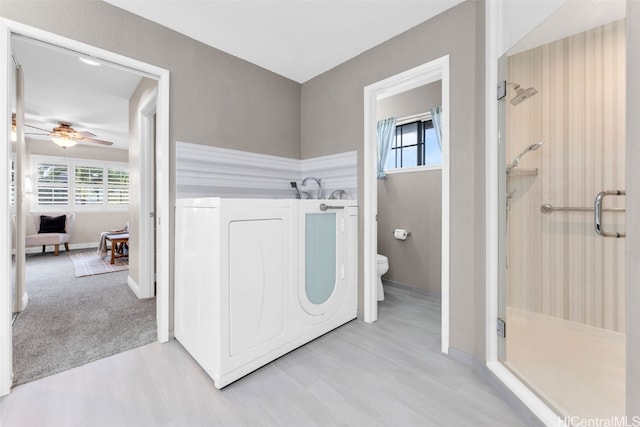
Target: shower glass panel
x,y
320,256
562,285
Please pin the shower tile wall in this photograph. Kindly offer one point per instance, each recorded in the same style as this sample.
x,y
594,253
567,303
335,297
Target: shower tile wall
x,y
557,265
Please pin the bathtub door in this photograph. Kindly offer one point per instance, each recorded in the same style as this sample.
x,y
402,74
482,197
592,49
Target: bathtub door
x,y
563,217
321,274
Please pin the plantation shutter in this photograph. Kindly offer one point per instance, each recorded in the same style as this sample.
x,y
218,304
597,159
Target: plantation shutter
x,y
118,187
89,188
52,184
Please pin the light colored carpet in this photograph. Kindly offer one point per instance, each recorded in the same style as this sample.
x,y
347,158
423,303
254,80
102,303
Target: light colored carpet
x,y
72,321
90,263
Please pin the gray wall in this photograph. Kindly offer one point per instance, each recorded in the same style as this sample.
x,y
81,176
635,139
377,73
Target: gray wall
x,y
412,201
333,121
414,101
633,209
145,87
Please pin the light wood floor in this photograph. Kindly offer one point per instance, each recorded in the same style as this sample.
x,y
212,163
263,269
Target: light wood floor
x,y
390,373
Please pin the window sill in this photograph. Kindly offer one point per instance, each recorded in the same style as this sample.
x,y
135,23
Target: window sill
x,y
414,169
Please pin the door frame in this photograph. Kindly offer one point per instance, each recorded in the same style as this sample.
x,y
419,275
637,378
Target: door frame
x,y
7,28
432,71
146,271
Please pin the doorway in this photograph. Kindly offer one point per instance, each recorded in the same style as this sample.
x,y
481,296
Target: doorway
x,y
433,71
161,179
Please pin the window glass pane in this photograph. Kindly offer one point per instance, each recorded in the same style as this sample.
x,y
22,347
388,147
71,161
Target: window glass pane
x,y
52,195
89,195
118,196
118,187
409,135
432,148
391,161
89,175
409,157
397,139
52,173
52,184
118,177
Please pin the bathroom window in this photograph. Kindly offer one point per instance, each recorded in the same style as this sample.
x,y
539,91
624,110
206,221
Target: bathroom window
x,y
415,145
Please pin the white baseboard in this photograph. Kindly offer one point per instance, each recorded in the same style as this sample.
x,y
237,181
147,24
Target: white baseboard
x,y
73,246
25,300
411,288
134,286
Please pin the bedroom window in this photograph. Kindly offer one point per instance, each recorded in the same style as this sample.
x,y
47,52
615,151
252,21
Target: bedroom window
x,y
77,184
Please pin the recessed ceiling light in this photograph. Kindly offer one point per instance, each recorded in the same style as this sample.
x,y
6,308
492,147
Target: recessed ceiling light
x,y
89,62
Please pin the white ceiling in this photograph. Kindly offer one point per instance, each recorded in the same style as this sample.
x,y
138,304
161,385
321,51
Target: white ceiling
x,y
296,39
573,17
60,88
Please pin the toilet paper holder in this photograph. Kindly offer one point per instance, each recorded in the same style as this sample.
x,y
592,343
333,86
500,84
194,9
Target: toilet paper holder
x,y
400,234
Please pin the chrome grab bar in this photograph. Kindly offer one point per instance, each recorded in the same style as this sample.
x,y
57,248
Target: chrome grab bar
x,y
324,207
547,208
598,212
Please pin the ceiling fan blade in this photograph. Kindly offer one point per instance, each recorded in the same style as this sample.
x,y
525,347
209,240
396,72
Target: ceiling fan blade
x,y
35,127
96,141
86,134
33,133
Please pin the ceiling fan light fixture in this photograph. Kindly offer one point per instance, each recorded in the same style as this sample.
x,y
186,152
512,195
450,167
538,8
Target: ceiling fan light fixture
x,y
64,142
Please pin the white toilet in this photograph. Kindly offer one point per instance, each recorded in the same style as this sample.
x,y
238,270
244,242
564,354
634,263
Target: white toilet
x,y
383,267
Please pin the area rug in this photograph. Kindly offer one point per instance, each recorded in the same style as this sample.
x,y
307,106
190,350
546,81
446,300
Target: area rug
x,y
89,264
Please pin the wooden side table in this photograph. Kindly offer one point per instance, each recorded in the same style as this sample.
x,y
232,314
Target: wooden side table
x,y
118,242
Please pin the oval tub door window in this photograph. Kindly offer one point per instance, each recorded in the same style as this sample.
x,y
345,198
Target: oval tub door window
x,y
320,256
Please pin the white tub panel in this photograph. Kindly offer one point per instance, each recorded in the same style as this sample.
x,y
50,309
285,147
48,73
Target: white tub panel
x,y
256,282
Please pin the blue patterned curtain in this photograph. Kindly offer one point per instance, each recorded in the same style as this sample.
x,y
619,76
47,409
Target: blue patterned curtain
x,y
436,119
386,132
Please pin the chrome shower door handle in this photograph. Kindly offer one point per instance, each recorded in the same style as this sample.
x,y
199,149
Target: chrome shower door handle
x,y
324,207
597,209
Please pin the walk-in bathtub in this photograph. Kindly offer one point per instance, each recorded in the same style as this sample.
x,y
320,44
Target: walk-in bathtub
x,y
255,279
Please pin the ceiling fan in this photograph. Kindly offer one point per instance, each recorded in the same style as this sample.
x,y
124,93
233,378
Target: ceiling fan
x,y
64,135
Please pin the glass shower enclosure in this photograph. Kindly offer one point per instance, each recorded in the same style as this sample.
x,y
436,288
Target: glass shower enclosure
x,y
562,215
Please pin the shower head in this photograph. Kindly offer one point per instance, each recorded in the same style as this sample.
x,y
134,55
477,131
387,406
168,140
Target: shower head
x,y
515,162
522,94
